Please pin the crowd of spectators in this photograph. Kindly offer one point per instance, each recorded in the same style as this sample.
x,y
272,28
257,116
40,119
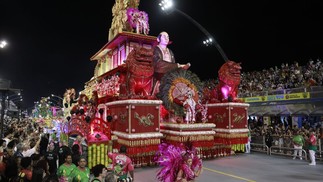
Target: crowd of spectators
x,y
281,131
286,77
27,153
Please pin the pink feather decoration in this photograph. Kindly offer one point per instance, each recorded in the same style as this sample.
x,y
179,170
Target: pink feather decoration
x,y
133,16
172,158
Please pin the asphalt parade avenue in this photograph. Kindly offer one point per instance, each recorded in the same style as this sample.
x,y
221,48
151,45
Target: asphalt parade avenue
x,y
254,167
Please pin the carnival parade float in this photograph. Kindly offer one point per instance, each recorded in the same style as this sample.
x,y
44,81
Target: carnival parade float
x,y
118,106
50,117
227,112
99,142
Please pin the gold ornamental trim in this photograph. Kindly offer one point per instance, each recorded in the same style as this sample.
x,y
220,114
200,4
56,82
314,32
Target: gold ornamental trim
x,y
133,102
139,143
188,133
231,135
187,126
190,138
138,135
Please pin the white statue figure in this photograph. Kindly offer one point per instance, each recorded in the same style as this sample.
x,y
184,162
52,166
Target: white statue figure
x,y
189,104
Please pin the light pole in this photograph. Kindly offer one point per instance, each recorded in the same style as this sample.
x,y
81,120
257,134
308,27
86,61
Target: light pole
x,y
167,6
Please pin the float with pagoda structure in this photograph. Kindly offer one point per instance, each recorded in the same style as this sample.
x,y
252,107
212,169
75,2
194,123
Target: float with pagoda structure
x,y
120,99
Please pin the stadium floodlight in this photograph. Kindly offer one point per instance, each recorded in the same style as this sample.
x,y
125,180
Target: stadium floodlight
x,y
3,44
168,6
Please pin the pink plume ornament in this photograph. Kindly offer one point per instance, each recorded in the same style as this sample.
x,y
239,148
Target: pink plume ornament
x,y
173,158
138,20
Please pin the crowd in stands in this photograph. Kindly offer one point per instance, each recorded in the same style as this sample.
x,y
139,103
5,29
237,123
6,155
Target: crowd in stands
x,y
286,77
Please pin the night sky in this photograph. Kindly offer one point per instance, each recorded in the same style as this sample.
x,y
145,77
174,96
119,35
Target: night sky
x,y
50,42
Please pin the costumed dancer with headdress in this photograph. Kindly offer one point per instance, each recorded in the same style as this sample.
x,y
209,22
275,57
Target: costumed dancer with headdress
x,y
179,164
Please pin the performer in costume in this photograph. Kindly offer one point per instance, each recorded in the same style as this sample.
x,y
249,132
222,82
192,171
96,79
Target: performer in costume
x,y
164,60
179,163
186,171
121,165
312,147
81,173
298,142
64,171
190,104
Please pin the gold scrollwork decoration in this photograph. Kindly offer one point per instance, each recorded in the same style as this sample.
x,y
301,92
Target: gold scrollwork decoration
x,y
145,120
123,116
238,118
219,118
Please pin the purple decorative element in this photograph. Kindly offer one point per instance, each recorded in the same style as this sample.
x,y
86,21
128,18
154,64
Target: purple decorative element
x,y
130,15
138,20
173,158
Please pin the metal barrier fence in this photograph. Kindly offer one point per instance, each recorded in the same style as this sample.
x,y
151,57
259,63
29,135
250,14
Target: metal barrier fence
x,y
259,148
285,151
282,146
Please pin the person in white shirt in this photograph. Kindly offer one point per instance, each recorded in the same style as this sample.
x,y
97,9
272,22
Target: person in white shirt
x,y
29,149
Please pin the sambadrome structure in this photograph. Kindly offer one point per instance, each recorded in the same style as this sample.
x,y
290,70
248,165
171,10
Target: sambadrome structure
x,y
126,112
